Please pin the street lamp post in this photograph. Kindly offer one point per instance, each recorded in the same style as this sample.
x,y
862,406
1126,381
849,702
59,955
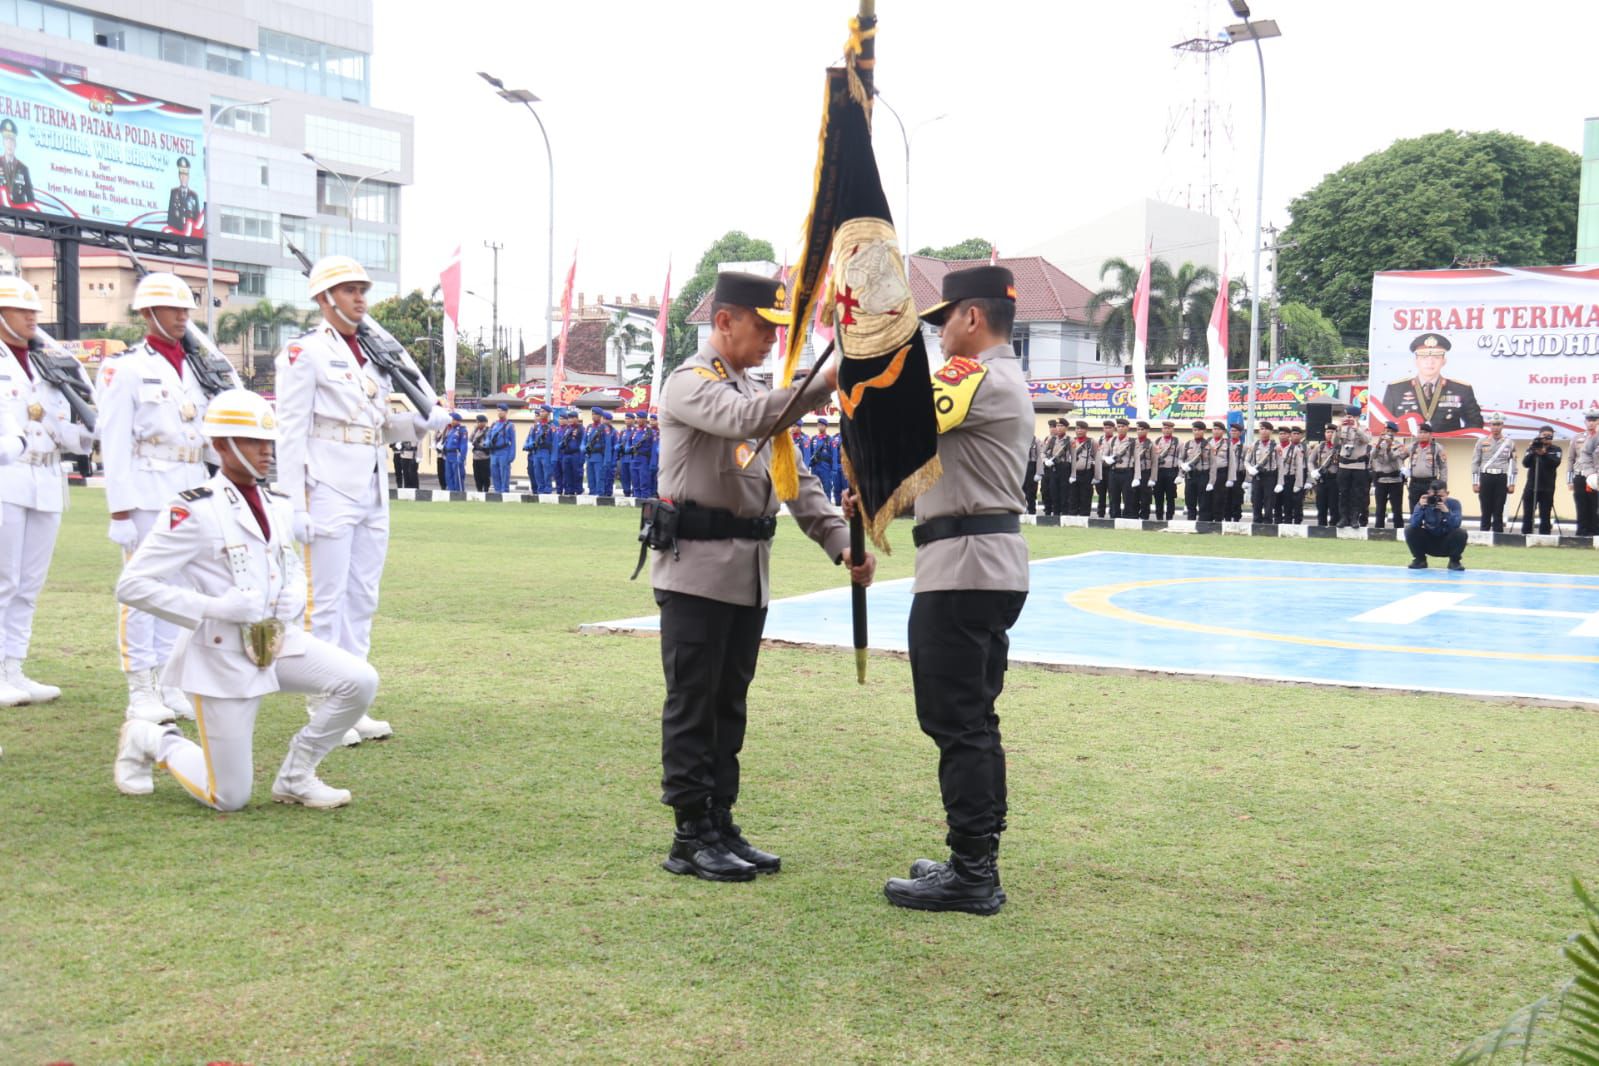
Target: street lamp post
x,y
1257,32
527,100
905,230
210,268
349,192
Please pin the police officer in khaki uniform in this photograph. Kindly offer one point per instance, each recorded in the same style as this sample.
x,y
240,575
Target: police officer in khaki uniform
x,y
1580,479
1220,486
1353,447
1082,466
1167,453
712,587
1118,463
1194,462
1493,473
1143,488
1260,464
1324,473
1388,480
1425,462
970,585
1102,485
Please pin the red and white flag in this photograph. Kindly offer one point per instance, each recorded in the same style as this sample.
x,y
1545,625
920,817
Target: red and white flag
x,y
1216,404
660,331
993,255
1141,336
558,375
450,291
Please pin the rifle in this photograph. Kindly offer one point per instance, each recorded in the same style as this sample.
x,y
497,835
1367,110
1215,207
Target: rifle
x,y
386,353
209,366
58,367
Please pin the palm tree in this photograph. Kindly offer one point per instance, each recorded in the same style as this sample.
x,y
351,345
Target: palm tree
x,y
241,326
1117,330
1192,295
624,337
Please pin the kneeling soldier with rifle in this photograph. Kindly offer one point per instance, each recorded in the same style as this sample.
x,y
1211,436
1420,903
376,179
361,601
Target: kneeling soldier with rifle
x,y
220,561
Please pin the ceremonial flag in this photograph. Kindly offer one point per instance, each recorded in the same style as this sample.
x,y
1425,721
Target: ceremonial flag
x,y
660,331
558,375
450,291
1216,403
1141,337
993,255
885,388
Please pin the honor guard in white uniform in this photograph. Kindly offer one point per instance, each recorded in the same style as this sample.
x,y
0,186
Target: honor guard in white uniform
x,y
222,563
333,406
36,426
150,405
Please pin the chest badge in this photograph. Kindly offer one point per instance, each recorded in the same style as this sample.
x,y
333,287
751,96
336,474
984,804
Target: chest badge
x,y
35,412
371,387
187,411
743,454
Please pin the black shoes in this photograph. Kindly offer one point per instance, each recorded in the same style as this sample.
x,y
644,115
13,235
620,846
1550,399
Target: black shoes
x,y
1456,564
968,882
732,836
1418,564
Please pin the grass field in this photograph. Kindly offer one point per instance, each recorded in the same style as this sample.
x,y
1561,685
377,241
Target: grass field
x,y
1198,871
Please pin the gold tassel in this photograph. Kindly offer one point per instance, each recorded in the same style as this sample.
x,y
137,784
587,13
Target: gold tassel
x,y
903,497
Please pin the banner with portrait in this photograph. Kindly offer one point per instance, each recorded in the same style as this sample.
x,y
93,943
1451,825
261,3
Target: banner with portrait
x,y
1451,347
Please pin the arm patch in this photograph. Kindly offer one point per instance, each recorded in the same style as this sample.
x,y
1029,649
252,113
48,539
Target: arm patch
x,y
954,385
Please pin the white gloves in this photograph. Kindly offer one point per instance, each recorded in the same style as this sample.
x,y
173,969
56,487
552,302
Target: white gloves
x,y
1137,482
124,534
1315,475
434,421
1251,468
234,605
1279,487
1072,480
304,528
1229,484
1404,471
1185,466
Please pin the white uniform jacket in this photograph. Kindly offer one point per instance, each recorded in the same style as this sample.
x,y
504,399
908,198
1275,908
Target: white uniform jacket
x,y
32,477
188,560
149,423
334,417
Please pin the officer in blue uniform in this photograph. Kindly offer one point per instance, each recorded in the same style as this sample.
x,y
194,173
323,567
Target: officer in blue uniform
x,y
612,443
540,447
502,448
624,453
454,448
821,457
596,453
654,458
570,451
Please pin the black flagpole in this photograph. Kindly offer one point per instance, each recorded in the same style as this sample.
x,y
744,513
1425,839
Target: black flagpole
x,y
857,526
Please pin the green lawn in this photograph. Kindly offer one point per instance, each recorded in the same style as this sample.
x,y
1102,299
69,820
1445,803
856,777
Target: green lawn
x,y
1199,871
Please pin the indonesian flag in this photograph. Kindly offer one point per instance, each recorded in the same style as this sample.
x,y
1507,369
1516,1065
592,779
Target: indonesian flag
x,y
1141,337
558,375
660,332
1216,340
450,290
993,255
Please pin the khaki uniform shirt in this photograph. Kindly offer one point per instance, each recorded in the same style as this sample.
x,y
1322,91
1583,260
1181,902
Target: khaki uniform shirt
x,y
711,415
1084,458
1196,455
1262,458
1427,461
1360,453
1387,456
1144,461
982,458
1494,457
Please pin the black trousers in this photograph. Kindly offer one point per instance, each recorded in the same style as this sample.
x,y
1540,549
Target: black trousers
x,y
1060,485
1354,495
1196,501
1080,493
1102,491
1327,500
1046,490
959,648
1221,500
1422,544
1586,505
1030,490
1290,502
1166,494
1143,495
1262,500
1123,500
1415,489
480,474
1235,502
440,471
1389,494
708,652
1492,498
1544,501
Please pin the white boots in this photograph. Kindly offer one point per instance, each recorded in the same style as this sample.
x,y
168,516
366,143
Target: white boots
x,y
297,782
138,747
175,701
13,679
144,698
368,728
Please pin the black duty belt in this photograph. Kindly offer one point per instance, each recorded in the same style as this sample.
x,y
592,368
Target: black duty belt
x,y
971,525
715,523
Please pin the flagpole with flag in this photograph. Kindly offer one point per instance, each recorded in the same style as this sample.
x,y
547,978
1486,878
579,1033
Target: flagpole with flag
x,y
449,330
558,374
661,329
1141,337
1216,392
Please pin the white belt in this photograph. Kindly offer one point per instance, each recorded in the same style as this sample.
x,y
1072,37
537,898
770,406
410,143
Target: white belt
x,y
345,432
50,458
172,453
1494,470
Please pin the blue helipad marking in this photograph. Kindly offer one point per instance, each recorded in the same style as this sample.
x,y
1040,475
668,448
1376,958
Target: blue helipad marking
x,y
1486,633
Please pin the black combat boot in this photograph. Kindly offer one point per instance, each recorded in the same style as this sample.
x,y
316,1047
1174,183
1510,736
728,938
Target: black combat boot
x,y
968,882
733,837
923,867
698,849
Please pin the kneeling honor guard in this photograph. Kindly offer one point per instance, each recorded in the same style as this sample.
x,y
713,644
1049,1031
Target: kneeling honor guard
x,y
220,562
710,574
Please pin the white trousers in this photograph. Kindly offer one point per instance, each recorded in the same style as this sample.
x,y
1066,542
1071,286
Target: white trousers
x,y
344,564
27,541
219,770
145,640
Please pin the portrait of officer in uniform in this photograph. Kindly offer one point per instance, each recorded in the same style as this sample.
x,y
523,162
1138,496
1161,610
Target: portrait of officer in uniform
x,y
183,205
1446,405
16,187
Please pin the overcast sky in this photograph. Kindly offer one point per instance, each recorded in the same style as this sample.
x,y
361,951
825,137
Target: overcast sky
x,y
672,123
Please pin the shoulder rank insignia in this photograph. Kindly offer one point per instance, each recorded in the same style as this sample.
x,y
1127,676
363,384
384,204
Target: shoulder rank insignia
x,y
954,385
200,493
720,368
275,492
705,372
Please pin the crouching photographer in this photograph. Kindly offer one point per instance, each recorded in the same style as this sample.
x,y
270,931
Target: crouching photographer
x,y
1434,529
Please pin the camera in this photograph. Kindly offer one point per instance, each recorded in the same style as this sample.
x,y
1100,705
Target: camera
x,y
1346,451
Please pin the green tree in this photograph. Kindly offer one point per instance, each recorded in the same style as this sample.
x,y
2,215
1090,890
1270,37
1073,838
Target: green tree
x,y
734,246
1420,204
1180,302
1308,336
417,321
970,248
1189,300
242,326
128,334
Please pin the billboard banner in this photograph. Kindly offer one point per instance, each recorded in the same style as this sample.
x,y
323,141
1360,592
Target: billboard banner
x,y
1282,397
98,155
1449,347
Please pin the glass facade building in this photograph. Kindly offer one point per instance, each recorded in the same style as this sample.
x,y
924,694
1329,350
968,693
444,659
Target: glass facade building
x,y
1588,197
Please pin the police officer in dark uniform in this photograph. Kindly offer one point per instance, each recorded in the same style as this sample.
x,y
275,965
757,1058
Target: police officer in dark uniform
x,y
1448,405
713,586
183,206
16,187
970,585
